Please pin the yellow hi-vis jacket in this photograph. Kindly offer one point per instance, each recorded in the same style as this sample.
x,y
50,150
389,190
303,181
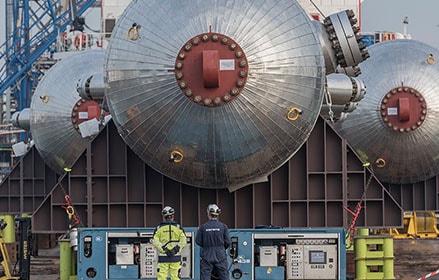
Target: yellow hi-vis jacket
x,y
168,235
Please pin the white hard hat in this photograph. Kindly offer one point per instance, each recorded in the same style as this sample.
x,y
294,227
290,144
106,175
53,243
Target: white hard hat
x,y
213,209
168,211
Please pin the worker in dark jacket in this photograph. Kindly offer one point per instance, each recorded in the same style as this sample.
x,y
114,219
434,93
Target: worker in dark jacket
x,y
213,237
169,239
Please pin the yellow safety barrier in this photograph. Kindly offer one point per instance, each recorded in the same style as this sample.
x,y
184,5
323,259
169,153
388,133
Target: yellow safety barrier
x,y
374,257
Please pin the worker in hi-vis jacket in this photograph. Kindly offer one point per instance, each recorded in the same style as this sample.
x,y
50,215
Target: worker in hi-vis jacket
x,y
169,239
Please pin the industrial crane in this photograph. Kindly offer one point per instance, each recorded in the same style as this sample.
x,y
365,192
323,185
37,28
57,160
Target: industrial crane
x,y
32,27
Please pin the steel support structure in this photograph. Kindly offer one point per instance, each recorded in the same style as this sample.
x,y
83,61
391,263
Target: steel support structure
x,y
110,186
32,27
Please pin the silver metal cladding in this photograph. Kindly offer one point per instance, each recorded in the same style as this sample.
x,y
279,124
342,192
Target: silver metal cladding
x,y
55,113
394,127
215,135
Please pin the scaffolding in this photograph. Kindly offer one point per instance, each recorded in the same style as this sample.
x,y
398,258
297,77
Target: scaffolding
x,y
32,27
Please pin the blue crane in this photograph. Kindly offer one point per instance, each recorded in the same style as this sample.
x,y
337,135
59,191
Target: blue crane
x,y
32,27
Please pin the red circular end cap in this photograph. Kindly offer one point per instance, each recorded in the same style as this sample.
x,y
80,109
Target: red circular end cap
x,y
85,110
403,109
211,69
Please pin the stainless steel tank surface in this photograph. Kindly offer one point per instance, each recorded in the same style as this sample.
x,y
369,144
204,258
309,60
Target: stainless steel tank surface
x,y
57,110
394,127
214,94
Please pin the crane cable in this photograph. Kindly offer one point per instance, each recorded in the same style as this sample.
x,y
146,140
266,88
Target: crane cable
x,y
73,216
351,230
317,8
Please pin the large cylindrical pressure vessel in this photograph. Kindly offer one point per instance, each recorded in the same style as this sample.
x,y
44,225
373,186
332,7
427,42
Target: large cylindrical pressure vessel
x,y
57,111
394,127
215,93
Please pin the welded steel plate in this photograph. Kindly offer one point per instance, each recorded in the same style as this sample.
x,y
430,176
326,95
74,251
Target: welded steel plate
x,y
209,92
52,112
395,127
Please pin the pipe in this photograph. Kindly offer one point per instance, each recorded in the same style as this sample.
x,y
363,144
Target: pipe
x,y
91,87
21,119
65,259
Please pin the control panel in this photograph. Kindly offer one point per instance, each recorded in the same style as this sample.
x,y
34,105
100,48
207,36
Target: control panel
x,y
294,262
149,260
312,259
299,254
254,254
124,254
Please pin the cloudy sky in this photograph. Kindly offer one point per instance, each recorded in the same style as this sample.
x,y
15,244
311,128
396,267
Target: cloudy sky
x,y
388,15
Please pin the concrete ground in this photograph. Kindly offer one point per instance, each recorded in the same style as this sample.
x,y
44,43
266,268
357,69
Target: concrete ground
x,y
415,258
46,265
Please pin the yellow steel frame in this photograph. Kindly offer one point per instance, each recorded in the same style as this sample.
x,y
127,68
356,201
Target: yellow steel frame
x,y
4,257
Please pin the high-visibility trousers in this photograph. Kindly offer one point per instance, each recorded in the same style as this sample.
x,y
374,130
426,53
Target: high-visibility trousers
x,y
173,268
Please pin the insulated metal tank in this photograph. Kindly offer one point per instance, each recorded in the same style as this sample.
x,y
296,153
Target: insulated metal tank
x,y
394,127
214,93
57,112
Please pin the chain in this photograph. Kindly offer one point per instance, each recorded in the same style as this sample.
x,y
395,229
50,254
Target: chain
x,y
328,100
102,116
72,214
